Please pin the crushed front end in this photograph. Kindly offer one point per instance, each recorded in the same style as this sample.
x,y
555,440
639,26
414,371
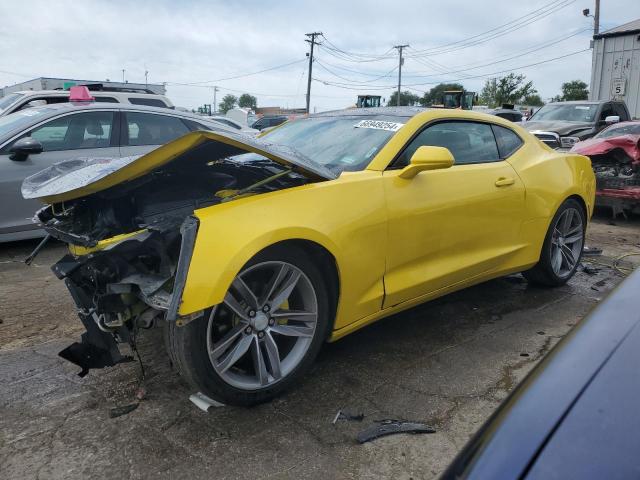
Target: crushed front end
x,y
131,240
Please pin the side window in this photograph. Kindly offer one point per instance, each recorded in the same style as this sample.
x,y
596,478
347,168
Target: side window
x,y
76,131
507,140
621,112
607,110
152,129
106,100
149,102
469,142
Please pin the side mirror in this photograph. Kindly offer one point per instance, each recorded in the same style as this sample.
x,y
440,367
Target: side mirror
x,y
24,147
427,158
612,119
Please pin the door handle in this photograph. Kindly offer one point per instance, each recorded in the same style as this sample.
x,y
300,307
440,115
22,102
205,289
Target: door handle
x,y
504,182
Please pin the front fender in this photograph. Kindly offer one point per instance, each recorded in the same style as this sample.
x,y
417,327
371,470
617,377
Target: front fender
x,y
346,216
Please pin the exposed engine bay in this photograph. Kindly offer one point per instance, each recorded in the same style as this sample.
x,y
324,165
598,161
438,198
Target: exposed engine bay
x,y
130,244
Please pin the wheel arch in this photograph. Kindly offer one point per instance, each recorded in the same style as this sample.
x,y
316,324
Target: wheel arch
x,y
210,275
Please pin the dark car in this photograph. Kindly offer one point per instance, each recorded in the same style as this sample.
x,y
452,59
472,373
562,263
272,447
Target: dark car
x,y
563,124
268,122
36,138
576,414
508,113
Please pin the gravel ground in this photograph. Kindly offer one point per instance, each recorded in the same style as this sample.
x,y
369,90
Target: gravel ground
x,y
447,363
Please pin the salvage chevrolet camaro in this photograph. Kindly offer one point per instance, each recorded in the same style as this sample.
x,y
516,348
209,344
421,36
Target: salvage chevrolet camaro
x,y
253,252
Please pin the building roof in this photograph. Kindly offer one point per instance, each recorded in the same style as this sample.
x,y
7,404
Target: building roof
x,y
626,29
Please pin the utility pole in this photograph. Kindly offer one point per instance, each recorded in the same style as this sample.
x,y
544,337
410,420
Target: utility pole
x,y
596,17
146,79
215,96
123,75
400,61
312,42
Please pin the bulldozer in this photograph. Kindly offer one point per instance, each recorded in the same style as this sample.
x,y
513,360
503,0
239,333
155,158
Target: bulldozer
x,y
460,99
368,101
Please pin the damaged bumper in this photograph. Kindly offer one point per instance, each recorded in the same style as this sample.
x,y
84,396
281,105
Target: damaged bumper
x,y
122,284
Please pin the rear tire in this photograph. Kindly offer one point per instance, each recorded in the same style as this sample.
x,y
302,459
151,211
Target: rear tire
x,y
562,248
247,351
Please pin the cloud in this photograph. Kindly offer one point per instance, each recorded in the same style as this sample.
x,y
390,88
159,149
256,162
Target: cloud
x,y
185,42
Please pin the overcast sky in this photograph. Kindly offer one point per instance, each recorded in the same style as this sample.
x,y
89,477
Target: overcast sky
x,y
198,41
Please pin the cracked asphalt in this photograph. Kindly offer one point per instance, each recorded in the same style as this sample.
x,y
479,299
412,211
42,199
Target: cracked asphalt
x,y
447,363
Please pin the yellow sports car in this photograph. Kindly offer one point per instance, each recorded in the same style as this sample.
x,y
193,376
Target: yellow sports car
x,y
253,252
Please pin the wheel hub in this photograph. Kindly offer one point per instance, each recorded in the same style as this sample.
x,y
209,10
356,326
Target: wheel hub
x,y
260,321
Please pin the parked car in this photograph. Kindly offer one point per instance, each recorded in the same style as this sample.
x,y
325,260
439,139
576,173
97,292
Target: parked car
x,y
14,102
563,124
254,251
576,414
269,121
615,156
508,113
35,138
235,125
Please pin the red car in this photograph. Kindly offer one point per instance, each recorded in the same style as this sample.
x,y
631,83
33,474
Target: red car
x,y
615,156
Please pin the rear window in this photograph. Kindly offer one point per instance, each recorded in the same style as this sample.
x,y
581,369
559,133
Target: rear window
x,y
149,102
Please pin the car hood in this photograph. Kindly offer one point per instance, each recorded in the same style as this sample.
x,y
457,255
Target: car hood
x,y
79,177
600,146
557,126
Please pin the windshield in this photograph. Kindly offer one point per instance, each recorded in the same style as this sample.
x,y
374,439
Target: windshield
x,y
9,100
567,113
21,119
618,130
338,143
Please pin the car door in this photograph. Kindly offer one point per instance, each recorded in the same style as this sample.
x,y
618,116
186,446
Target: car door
x,y
81,134
450,225
143,132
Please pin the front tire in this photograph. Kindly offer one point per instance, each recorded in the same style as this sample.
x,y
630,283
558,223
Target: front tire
x,y
562,248
263,337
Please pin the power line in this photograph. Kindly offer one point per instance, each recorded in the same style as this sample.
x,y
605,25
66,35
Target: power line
x,y
385,87
239,75
385,75
500,31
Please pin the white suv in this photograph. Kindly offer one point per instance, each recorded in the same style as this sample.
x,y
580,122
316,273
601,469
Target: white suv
x,y
15,101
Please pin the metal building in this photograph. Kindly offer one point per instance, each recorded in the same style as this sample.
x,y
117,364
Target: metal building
x,y
615,69
45,83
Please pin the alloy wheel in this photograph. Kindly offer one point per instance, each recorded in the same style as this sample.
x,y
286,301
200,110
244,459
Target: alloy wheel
x,y
567,240
264,327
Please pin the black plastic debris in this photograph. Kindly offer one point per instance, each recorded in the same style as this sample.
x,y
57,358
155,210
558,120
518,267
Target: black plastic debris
x,y
591,251
119,411
348,416
383,428
590,269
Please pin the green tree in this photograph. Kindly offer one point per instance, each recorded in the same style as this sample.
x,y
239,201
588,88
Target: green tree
x,y
434,96
511,89
248,101
489,92
574,90
533,100
228,102
406,99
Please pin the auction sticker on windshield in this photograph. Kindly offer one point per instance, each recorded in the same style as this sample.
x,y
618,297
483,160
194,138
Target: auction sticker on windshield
x,y
379,125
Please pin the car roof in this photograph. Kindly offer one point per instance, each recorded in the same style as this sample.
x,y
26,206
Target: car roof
x,y
591,368
404,112
92,92
583,102
57,108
